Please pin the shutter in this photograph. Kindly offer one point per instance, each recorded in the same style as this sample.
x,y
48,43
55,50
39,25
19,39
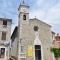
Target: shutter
x,y
3,36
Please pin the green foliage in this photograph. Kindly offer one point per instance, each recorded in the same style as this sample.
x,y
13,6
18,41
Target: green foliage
x,y
56,52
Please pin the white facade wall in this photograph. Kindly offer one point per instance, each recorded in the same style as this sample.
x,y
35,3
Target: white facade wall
x,y
14,48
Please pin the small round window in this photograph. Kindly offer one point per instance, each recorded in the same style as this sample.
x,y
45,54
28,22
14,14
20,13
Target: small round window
x,y
35,28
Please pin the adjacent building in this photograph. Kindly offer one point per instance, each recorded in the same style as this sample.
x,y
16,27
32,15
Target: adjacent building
x,y
31,39
14,46
56,40
5,33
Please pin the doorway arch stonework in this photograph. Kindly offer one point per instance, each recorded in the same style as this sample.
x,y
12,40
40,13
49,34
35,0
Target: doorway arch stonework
x,y
37,41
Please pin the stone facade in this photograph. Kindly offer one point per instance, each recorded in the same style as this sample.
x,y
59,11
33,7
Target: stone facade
x,y
14,47
7,30
28,35
31,33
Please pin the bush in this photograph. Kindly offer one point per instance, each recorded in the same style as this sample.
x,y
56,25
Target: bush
x,y
56,52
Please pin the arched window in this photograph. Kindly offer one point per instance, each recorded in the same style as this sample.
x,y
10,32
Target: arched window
x,y
24,17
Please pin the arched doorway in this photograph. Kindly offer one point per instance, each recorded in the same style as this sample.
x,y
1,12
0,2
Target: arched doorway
x,y
38,49
38,52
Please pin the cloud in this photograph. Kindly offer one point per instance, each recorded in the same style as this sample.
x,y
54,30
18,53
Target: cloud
x,y
53,14
39,2
47,11
5,7
37,13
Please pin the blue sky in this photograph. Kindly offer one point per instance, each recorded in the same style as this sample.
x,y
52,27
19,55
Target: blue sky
x,y
45,10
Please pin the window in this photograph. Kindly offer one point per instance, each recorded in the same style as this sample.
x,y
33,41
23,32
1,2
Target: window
x,y
5,23
53,41
3,36
2,52
21,48
59,44
24,17
35,28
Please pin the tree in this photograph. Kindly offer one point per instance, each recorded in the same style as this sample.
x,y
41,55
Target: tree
x,y
56,52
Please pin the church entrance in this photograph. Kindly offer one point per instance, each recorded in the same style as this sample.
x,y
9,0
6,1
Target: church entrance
x,y
38,52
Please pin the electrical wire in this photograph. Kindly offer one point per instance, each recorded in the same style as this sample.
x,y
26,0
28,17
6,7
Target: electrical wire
x,y
17,14
8,11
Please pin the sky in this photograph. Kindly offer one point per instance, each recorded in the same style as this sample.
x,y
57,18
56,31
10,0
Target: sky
x,y
45,10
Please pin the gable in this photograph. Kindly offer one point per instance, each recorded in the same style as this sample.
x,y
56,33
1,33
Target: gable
x,y
39,22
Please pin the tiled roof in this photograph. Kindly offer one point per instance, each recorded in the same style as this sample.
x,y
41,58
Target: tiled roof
x,y
2,19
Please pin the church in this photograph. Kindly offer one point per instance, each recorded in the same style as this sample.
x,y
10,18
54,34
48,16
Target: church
x,y
31,39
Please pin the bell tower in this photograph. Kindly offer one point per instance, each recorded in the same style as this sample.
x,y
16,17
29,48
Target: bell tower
x,y
23,13
23,27
23,22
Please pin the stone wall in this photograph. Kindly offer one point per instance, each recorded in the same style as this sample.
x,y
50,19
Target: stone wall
x,y
7,30
28,37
